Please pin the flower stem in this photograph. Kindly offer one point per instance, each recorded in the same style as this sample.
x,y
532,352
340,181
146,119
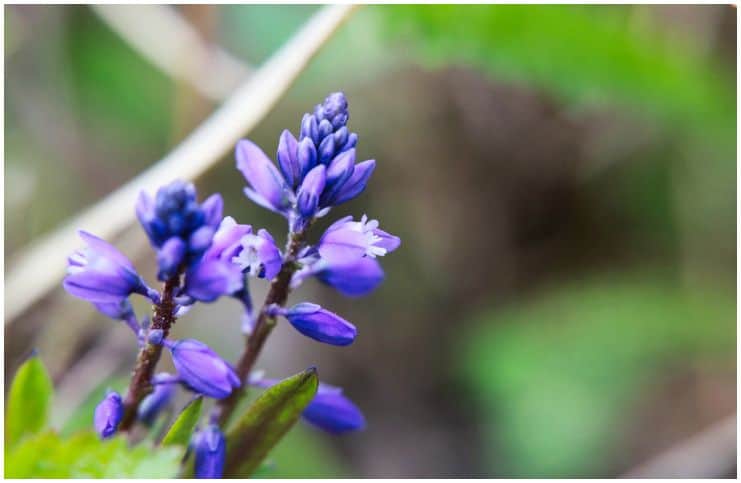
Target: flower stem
x,y
277,294
149,355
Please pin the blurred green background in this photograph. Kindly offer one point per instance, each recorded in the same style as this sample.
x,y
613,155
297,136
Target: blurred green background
x,y
562,178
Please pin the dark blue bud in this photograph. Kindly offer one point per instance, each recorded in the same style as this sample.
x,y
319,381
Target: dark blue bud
x,y
340,120
169,258
200,239
341,136
326,150
352,141
311,189
108,414
335,105
209,447
158,399
325,129
288,158
309,128
307,157
339,171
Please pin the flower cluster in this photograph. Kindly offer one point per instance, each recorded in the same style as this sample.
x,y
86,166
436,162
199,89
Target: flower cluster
x,y
202,256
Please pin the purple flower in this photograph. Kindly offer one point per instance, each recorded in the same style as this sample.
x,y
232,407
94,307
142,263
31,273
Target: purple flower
x,y
227,240
326,127
346,241
268,188
209,447
164,391
331,411
108,414
99,273
319,324
178,226
259,256
201,369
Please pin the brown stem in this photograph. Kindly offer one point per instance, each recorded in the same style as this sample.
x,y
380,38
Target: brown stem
x,y
149,355
277,294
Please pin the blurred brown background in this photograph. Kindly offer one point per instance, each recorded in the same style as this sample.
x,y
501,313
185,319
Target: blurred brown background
x,y
562,178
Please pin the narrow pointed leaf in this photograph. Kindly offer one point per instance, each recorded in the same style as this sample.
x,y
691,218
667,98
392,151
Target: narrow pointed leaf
x,y
266,421
182,429
29,401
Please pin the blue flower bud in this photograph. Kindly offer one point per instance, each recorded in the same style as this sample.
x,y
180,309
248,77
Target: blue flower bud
x,y
108,414
341,136
120,310
201,369
158,399
209,448
326,150
309,128
213,278
335,107
307,157
325,129
339,172
357,182
319,324
155,336
311,189
331,411
170,257
288,158
352,141
200,240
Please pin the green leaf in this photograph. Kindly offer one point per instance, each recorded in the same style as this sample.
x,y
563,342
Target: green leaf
x,y
266,421
84,455
181,430
29,401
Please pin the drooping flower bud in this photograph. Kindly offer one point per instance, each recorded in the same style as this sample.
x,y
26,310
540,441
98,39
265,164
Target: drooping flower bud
x,y
209,448
319,324
353,279
108,414
331,411
158,399
201,369
99,273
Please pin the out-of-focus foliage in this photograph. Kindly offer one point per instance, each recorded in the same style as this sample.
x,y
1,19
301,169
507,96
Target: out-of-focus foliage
x,y
553,375
33,451
582,54
84,455
29,401
259,429
304,452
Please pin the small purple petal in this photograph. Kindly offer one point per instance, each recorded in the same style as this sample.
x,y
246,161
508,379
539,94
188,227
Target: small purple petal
x,y
311,189
353,279
331,411
287,157
170,257
357,182
261,174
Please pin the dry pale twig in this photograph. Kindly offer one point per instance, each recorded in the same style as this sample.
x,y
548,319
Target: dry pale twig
x,y
39,268
162,36
709,454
